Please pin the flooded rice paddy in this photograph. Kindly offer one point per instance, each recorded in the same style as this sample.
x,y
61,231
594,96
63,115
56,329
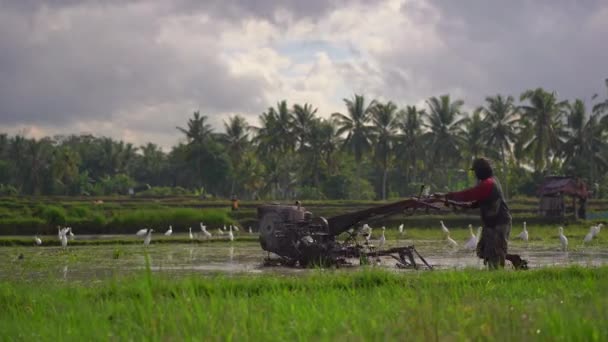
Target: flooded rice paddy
x,y
98,262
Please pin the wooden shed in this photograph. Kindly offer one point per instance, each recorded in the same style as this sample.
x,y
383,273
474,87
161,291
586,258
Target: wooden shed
x,y
561,194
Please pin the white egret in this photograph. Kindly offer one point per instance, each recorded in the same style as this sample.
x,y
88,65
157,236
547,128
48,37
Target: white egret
x,y
169,231
401,228
220,232
472,241
37,240
230,235
444,228
148,237
64,239
59,233
142,232
589,235
70,232
451,241
203,227
524,234
236,229
563,239
224,227
206,233
596,229
382,239
250,231
190,233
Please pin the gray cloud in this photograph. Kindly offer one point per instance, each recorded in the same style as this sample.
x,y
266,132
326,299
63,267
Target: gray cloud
x,y
68,63
505,47
106,59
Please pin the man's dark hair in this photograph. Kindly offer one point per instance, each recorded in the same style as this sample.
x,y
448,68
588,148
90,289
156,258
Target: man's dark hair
x,y
482,168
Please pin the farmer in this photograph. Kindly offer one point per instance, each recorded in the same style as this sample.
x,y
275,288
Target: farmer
x,y
495,215
235,202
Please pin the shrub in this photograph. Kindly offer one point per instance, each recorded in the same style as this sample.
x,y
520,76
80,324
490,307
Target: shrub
x,y
54,215
310,193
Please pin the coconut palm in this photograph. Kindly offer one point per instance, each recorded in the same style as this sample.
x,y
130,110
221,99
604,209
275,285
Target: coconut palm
x,y
303,117
384,119
601,107
198,129
544,112
475,128
236,140
501,118
197,133
409,147
585,149
444,122
355,126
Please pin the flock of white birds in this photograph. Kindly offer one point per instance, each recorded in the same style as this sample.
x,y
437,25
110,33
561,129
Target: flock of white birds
x,y
471,242
229,233
65,234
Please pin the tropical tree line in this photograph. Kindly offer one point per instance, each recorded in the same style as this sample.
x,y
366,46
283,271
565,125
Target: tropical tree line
x,y
371,150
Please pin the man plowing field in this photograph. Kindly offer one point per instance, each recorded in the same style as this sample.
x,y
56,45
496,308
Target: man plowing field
x,y
487,195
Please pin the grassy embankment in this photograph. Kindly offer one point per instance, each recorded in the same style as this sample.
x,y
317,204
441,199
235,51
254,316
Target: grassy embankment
x,y
125,215
548,304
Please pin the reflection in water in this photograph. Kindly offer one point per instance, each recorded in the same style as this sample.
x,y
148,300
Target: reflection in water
x,y
95,262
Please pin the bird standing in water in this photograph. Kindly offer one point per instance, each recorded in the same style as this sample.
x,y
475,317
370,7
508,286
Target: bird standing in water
x,y
524,234
148,237
563,239
472,242
230,235
444,228
382,239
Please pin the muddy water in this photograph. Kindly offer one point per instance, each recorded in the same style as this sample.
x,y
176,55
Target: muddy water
x,y
90,263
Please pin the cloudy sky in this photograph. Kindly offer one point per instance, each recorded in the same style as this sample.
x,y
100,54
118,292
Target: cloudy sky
x,y
134,70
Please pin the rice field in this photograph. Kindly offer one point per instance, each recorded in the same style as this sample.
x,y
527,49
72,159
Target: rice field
x,y
111,287
547,304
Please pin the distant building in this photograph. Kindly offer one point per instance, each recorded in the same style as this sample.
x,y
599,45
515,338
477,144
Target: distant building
x,y
553,192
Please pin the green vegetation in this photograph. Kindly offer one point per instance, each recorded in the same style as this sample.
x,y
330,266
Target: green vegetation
x,y
548,304
118,215
371,150
20,216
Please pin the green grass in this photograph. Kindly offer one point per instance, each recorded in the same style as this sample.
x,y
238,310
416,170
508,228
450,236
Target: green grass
x,y
551,304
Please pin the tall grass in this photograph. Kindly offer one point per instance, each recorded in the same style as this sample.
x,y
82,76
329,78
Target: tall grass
x,y
550,304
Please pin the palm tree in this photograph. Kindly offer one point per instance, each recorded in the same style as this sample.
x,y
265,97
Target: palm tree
x,y
545,114
355,125
198,129
501,118
585,148
475,128
444,124
328,133
384,118
312,150
601,107
197,133
236,140
409,148
284,127
303,117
